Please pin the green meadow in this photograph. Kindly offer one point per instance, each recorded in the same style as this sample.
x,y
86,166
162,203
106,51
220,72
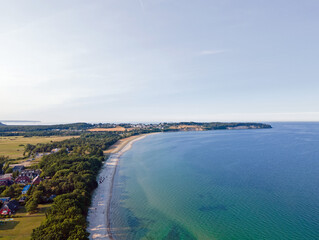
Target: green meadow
x,y
14,146
22,225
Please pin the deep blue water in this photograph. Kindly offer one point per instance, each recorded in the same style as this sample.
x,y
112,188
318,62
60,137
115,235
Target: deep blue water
x,y
231,184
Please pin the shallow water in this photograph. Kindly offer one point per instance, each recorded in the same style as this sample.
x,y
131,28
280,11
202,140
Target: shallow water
x,y
239,184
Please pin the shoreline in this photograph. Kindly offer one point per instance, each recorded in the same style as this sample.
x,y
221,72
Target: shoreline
x,y
98,214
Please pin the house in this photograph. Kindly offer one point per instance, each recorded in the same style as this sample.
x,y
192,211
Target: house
x,y
22,199
53,196
37,180
4,199
25,189
55,150
7,175
23,179
18,168
9,208
6,180
31,173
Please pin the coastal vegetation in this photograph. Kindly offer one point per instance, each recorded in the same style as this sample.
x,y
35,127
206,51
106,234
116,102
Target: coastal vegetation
x,y
70,177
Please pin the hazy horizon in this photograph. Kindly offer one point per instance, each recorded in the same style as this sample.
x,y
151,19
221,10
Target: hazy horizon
x,y
35,123
159,60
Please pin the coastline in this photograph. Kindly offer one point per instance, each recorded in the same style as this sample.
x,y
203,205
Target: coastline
x,y
98,215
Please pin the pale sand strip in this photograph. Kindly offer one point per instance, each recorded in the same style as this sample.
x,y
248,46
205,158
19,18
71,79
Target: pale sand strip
x,y
101,199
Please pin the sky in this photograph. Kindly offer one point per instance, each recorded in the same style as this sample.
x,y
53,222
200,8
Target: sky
x,y
159,60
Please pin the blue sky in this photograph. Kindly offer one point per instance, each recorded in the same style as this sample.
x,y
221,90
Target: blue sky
x,y
159,60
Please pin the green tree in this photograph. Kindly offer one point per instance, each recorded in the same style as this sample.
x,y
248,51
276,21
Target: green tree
x,y
29,190
2,188
15,174
9,170
37,196
9,192
31,205
3,159
12,191
5,166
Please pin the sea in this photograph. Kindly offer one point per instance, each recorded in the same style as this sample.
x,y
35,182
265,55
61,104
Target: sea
x,y
224,184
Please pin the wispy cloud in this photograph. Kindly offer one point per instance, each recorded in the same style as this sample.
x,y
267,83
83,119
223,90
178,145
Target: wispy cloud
x,y
211,52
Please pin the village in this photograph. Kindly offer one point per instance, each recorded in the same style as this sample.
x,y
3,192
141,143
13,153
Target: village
x,y
22,178
25,177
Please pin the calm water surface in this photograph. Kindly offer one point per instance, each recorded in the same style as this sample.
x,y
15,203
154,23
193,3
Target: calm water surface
x,y
240,184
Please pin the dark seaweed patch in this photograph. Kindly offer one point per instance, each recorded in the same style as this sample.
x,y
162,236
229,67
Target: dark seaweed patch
x,y
178,233
133,222
201,196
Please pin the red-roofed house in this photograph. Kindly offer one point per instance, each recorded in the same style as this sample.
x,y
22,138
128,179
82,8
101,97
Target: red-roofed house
x,y
31,173
6,180
8,208
37,180
23,179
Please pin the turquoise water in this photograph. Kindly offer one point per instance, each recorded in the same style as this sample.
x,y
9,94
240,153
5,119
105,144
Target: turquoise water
x,y
239,184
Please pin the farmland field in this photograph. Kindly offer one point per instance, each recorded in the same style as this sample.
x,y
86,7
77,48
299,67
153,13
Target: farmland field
x,y
14,146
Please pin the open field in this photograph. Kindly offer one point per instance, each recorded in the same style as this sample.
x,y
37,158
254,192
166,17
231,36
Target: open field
x,y
13,146
21,227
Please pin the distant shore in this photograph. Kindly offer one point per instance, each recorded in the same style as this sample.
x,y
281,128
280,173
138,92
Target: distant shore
x,y
98,215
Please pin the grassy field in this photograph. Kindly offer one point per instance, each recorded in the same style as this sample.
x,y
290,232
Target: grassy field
x,y
13,146
21,227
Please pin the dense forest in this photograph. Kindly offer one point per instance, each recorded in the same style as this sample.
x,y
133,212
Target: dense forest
x,y
87,142
36,128
44,130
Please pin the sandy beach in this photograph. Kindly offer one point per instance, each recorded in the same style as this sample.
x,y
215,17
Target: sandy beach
x,y
101,199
